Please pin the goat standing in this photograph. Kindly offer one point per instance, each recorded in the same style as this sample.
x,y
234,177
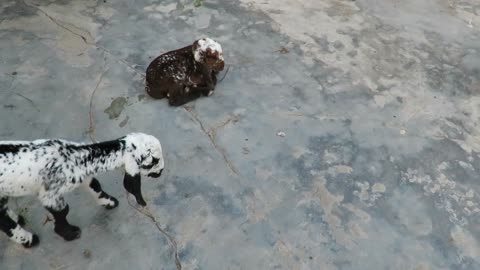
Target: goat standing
x,y
50,168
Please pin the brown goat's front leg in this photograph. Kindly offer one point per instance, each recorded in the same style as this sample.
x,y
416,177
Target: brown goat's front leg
x,y
203,82
207,88
204,90
214,77
182,96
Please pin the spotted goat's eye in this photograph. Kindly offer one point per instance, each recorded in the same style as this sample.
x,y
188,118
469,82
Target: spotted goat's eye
x,y
150,162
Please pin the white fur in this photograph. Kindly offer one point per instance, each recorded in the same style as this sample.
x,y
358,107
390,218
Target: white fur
x,y
204,44
29,173
12,215
21,236
50,168
96,195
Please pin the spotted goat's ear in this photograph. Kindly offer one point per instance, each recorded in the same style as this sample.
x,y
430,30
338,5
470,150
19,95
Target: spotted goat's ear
x,y
145,160
139,160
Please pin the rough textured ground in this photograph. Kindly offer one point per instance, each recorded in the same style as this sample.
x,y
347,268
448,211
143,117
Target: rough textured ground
x,y
379,102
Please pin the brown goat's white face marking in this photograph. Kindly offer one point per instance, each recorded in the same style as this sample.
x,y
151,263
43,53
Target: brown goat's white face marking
x,y
203,45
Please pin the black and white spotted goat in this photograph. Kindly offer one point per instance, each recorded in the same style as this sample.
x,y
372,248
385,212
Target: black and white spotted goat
x,y
51,168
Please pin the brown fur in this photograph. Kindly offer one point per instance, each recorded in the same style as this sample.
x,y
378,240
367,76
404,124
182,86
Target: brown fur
x,y
177,76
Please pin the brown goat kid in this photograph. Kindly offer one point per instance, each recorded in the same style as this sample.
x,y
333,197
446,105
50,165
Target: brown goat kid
x,y
185,74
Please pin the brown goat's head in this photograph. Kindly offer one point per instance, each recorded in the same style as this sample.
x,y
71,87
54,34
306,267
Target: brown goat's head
x,y
209,53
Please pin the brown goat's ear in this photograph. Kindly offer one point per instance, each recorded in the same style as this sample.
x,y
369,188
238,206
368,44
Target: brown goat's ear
x,y
132,184
195,45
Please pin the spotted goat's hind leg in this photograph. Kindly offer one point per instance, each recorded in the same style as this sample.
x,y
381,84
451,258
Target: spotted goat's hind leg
x,y
57,206
10,225
102,198
17,218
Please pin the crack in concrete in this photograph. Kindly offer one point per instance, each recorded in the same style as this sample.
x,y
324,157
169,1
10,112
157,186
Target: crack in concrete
x,y
11,81
29,100
10,87
85,40
146,212
211,134
56,21
91,128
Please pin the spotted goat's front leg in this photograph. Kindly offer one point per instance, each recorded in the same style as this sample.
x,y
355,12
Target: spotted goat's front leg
x,y
55,204
102,198
11,225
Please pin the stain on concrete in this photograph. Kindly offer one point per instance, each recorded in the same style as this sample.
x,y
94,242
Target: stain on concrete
x,y
116,107
124,121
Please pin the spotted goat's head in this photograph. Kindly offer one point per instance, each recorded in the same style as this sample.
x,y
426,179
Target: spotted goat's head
x,y
143,157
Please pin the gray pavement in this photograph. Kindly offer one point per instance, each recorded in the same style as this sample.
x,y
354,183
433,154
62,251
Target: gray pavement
x,y
344,135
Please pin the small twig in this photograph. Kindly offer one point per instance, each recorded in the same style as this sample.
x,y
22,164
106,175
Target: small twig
x,y
146,212
225,74
47,220
62,267
233,119
283,50
29,100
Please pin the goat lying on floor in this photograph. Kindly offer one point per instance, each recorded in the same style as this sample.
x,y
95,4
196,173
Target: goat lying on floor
x,y
185,74
50,168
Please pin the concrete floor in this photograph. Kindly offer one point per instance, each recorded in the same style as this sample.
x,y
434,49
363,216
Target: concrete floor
x,y
379,102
